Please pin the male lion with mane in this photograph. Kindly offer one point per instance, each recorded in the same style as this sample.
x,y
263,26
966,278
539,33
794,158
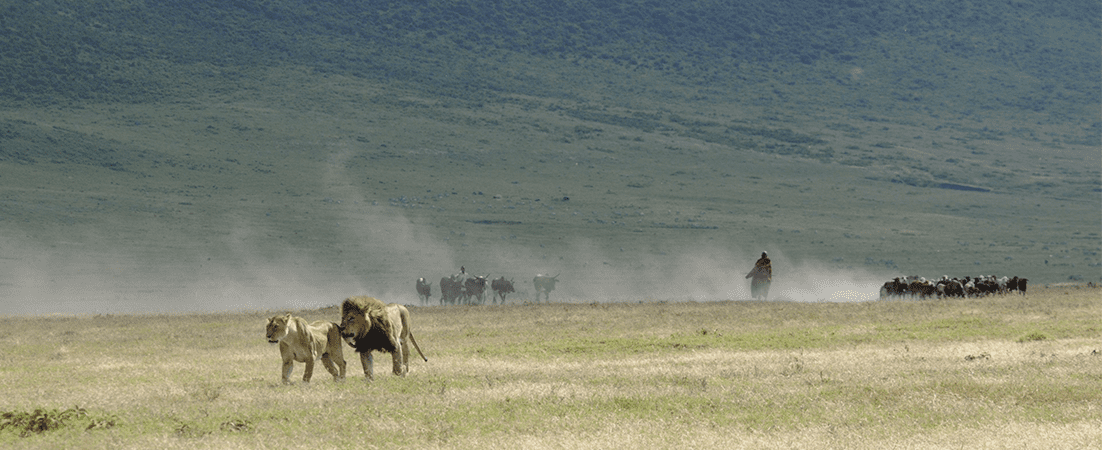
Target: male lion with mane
x,y
368,325
303,342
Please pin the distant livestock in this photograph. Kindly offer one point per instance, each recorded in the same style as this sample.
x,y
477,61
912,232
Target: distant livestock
x,y
923,288
464,288
544,284
950,288
424,290
501,287
1017,285
475,287
980,286
894,288
451,289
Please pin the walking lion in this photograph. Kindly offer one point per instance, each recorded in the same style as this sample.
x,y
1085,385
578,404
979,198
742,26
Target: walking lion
x,y
306,342
368,325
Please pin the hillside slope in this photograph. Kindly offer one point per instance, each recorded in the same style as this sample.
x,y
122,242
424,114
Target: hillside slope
x,y
212,155
1034,57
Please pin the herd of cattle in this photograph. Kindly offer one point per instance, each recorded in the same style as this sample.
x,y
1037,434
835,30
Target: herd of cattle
x,y
463,288
983,285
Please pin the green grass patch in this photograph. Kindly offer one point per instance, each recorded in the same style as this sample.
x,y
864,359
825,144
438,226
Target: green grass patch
x,y
1032,337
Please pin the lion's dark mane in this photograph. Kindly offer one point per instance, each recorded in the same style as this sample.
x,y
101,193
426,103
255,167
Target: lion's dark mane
x,y
374,340
377,337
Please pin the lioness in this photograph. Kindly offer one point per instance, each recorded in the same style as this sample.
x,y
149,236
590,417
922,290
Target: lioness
x,y
368,325
303,342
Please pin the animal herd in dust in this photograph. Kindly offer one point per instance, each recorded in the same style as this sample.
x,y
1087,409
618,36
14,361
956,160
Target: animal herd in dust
x,y
368,325
981,286
463,288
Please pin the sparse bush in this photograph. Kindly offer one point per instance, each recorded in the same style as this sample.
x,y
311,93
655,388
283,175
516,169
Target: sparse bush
x,y
236,425
42,420
983,355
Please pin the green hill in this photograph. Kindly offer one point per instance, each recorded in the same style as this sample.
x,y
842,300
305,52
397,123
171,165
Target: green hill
x,y
278,149
1011,55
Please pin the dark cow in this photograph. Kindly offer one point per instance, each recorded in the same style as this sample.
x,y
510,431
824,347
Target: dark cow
x,y
475,287
950,287
544,284
501,287
450,289
1019,284
922,288
424,290
893,288
987,285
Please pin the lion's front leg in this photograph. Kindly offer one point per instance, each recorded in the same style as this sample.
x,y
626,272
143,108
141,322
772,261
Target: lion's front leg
x,y
288,367
368,362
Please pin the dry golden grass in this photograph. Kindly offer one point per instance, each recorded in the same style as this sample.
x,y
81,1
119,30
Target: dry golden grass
x,y
986,373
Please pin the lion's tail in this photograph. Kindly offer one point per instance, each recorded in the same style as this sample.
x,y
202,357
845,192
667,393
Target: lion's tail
x,y
414,341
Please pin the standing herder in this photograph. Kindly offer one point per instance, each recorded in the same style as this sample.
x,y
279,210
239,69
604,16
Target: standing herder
x,y
762,275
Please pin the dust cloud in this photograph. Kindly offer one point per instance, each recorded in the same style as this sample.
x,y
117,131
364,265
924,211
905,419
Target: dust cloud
x,y
381,253
590,271
708,274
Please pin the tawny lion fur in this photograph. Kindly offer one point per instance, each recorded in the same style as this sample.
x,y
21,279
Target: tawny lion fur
x,y
368,324
303,342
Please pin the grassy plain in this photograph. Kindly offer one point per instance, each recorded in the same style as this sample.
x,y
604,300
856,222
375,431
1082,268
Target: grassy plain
x,y
1001,372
